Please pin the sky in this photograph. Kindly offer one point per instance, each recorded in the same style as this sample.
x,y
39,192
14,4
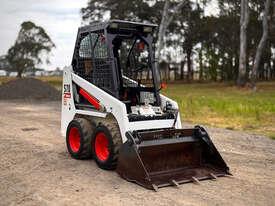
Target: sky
x,y
60,19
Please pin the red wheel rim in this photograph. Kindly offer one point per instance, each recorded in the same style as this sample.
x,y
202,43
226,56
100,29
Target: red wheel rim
x,y
74,139
101,146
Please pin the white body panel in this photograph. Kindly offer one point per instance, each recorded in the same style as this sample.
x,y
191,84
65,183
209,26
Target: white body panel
x,y
150,124
68,109
111,104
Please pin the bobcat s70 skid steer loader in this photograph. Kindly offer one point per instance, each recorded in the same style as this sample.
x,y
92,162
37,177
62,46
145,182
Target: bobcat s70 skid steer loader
x,y
112,110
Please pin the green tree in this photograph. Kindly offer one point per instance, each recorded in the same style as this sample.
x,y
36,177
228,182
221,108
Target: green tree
x,y
231,9
187,31
4,64
131,10
174,17
32,45
262,43
212,41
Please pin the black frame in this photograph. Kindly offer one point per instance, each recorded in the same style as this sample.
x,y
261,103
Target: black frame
x,y
110,34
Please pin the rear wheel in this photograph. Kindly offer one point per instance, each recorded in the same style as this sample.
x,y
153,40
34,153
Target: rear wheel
x,y
78,138
106,142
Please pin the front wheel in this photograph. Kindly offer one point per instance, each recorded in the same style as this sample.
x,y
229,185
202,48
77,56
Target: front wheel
x,y
106,142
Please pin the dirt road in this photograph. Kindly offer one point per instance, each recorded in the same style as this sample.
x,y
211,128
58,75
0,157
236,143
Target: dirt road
x,y
35,168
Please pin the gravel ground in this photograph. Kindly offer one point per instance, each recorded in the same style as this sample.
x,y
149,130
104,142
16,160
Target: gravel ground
x,y
35,168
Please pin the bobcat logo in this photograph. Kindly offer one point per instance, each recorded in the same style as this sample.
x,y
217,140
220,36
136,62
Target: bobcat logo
x,y
67,93
67,88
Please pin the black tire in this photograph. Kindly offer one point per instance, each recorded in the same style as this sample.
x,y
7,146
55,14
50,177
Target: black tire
x,y
85,129
113,136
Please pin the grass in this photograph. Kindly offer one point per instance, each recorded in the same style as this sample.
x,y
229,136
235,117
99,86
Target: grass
x,y
5,79
226,106
218,105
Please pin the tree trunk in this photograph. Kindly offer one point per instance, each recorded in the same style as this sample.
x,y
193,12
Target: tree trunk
x,y
235,70
189,64
162,29
230,70
168,72
166,20
261,45
19,73
241,81
182,69
201,65
148,75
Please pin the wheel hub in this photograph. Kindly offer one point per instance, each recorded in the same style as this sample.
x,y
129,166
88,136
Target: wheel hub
x,y
101,146
74,139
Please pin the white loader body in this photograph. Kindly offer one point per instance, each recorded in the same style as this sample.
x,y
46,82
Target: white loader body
x,y
113,112
110,104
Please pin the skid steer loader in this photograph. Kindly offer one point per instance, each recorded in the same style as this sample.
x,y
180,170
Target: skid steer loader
x,y
112,110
